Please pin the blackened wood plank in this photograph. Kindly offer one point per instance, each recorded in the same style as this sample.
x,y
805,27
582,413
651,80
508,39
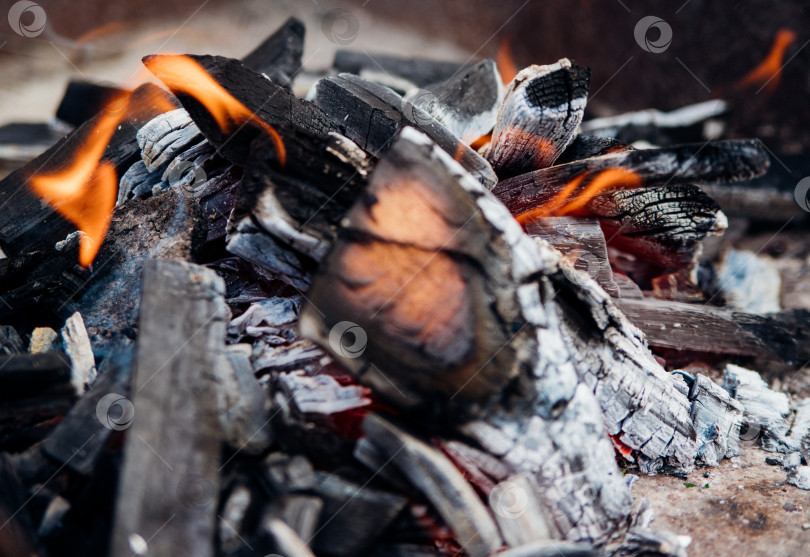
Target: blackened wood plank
x,y
169,481
83,100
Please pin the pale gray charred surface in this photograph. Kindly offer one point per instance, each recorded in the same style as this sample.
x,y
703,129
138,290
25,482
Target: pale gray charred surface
x,y
578,369
540,114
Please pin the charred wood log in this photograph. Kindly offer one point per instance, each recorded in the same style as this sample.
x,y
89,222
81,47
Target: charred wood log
x,y
20,142
466,104
170,480
453,242
540,114
587,146
279,56
720,161
29,223
371,115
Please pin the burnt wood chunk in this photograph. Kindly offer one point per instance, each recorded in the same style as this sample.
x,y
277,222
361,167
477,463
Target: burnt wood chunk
x,y
466,104
703,328
432,473
31,380
371,115
587,146
279,56
268,101
169,482
662,226
418,71
716,162
541,111
80,439
28,222
10,341
582,244
83,100
575,367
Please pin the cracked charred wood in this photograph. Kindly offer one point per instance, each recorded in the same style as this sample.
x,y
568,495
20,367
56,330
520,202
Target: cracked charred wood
x,y
587,146
456,303
285,221
661,226
439,481
716,162
399,73
695,122
466,104
169,482
582,243
267,101
371,115
279,56
767,412
83,100
540,114
703,328
29,223
80,439
10,341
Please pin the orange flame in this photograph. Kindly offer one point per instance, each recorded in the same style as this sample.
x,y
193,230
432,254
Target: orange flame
x,y
557,206
506,63
184,75
768,73
85,192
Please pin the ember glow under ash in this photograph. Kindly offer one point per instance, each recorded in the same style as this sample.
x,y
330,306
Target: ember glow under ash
x,y
768,73
183,74
569,202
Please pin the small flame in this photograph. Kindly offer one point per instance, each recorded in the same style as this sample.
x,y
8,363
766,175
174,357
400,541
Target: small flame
x,y
506,63
184,75
769,72
85,192
567,202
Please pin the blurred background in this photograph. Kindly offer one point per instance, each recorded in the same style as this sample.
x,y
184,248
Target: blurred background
x,y
714,47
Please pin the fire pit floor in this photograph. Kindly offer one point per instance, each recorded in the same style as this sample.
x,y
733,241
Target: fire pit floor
x,y
747,508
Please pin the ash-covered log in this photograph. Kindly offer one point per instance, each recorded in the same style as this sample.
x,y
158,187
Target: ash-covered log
x,y
540,114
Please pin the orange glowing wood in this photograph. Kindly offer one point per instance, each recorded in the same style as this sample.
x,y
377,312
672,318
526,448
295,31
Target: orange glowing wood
x,y
184,75
85,192
611,178
556,202
768,73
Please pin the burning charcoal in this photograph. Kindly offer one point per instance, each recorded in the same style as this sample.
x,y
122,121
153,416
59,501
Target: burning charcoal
x,y
138,182
541,111
80,439
289,473
637,397
165,136
353,516
279,56
749,283
285,222
372,114
166,503
467,104
440,482
709,329
269,319
250,100
243,404
766,411
800,477
799,438
285,539
582,243
321,394
696,122
300,354
10,341
393,70
662,226
521,513
83,100
77,346
627,287
716,162
29,223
